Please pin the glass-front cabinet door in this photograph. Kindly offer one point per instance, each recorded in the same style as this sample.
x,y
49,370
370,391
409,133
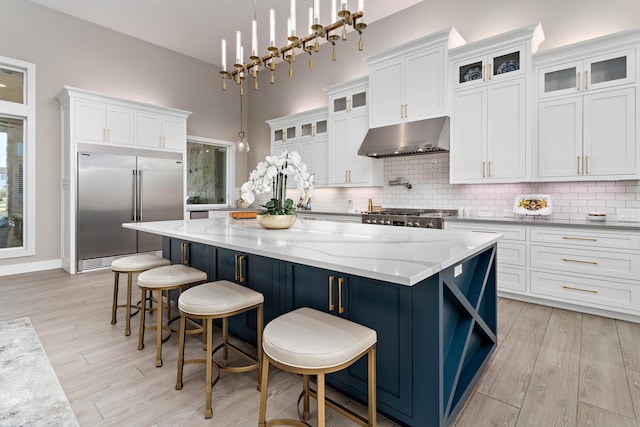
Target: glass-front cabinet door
x,y
349,103
284,134
313,128
593,73
495,66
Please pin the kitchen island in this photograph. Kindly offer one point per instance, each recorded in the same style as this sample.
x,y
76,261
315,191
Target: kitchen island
x,y
429,294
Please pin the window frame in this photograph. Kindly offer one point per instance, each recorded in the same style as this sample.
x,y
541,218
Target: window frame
x,y
27,113
230,168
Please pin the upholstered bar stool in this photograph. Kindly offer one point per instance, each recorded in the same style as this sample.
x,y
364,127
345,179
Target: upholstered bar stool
x,y
217,300
131,265
309,342
163,280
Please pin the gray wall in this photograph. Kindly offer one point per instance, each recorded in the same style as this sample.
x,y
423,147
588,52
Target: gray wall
x,y
68,51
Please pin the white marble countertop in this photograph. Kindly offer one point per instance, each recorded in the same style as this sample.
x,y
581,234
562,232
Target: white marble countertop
x,y
402,255
608,224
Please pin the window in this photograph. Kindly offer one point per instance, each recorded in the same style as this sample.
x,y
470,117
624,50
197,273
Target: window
x,y
209,172
17,158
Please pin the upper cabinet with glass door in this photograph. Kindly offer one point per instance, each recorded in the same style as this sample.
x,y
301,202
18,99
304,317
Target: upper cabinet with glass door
x,y
497,65
596,72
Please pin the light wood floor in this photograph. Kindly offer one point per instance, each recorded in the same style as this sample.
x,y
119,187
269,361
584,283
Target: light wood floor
x,y
552,367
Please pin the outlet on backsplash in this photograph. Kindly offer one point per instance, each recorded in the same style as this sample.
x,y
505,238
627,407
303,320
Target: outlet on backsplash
x,y
350,207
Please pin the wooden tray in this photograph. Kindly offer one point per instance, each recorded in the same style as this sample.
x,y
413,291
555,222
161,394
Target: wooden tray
x,y
243,214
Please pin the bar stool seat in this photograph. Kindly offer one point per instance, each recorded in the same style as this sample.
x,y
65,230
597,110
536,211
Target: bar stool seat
x,y
163,280
310,342
131,265
218,300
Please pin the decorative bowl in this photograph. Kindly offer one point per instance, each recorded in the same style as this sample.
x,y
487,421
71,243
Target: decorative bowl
x,y
596,216
276,222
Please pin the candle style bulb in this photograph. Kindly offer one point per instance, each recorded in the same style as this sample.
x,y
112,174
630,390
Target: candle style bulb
x,y
238,42
316,11
333,11
310,19
254,38
272,27
361,6
224,55
293,18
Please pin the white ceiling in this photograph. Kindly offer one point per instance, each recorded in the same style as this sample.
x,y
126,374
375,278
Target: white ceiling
x,y
196,27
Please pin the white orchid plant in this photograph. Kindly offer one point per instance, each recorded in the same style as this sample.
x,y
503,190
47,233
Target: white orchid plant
x,y
271,175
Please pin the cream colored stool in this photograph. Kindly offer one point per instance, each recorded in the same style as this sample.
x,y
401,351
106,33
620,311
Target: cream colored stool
x,y
217,300
163,280
131,265
310,342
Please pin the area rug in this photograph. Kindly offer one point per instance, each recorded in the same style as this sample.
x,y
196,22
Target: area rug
x,y
30,393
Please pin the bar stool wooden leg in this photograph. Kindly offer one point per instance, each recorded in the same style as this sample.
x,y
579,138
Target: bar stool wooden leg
x,y
262,416
208,413
183,332
371,358
321,400
127,328
160,308
259,323
114,307
143,311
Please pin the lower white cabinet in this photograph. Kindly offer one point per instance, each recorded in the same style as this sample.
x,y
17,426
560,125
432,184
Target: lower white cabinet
x,y
512,252
590,269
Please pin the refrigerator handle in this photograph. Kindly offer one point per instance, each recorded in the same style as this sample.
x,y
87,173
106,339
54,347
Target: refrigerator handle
x,y
135,196
139,195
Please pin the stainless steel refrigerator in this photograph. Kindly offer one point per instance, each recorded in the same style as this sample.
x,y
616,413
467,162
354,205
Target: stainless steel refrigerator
x,y
117,186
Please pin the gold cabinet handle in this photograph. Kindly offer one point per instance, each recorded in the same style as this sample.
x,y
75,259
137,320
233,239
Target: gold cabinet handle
x,y
580,261
340,306
184,247
483,174
489,169
586,80
593,291
578,81
238,270
349,105
591,239
313,130
346,175
489,71
104,135
402,111
578,165
108,135
484,231
586,165
332,306
236,276
484,73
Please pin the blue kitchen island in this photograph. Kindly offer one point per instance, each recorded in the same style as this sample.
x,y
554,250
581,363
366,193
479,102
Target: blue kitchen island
x,y
429,294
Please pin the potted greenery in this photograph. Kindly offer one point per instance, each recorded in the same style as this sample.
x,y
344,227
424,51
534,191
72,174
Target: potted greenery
x,y
271,175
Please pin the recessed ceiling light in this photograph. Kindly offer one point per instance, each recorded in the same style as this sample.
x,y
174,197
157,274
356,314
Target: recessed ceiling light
x,y
3,85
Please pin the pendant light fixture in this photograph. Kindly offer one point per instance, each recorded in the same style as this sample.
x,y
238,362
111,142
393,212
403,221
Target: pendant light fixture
x,y
242,145
340,19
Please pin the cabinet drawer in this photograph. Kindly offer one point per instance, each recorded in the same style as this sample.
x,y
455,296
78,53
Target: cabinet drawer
x,y
512,279
586,238
586,261
508,232
591,292
512,253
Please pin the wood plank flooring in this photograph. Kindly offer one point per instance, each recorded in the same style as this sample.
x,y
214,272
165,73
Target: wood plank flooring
x,y
552,367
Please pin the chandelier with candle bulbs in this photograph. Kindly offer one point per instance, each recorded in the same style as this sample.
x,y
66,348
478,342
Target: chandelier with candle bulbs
x,y
308,43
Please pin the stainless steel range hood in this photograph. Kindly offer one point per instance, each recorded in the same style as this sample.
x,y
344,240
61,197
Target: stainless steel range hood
x,y
407,139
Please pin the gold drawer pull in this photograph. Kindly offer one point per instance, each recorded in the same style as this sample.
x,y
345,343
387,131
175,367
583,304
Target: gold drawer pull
x,y
331,304
484,231
590,239
580,289
581,261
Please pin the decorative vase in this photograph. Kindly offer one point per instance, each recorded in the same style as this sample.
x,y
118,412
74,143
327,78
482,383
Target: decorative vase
x,y
276,222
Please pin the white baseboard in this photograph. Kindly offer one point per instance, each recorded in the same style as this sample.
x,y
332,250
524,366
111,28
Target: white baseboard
x,y
29,267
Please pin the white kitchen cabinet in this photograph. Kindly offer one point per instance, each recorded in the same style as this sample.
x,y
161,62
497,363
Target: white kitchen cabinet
x,y
409,82
104,123
101,119
348,125
587,111
592,268
588,136
512,252
593,73
307,134
160,131
491,124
